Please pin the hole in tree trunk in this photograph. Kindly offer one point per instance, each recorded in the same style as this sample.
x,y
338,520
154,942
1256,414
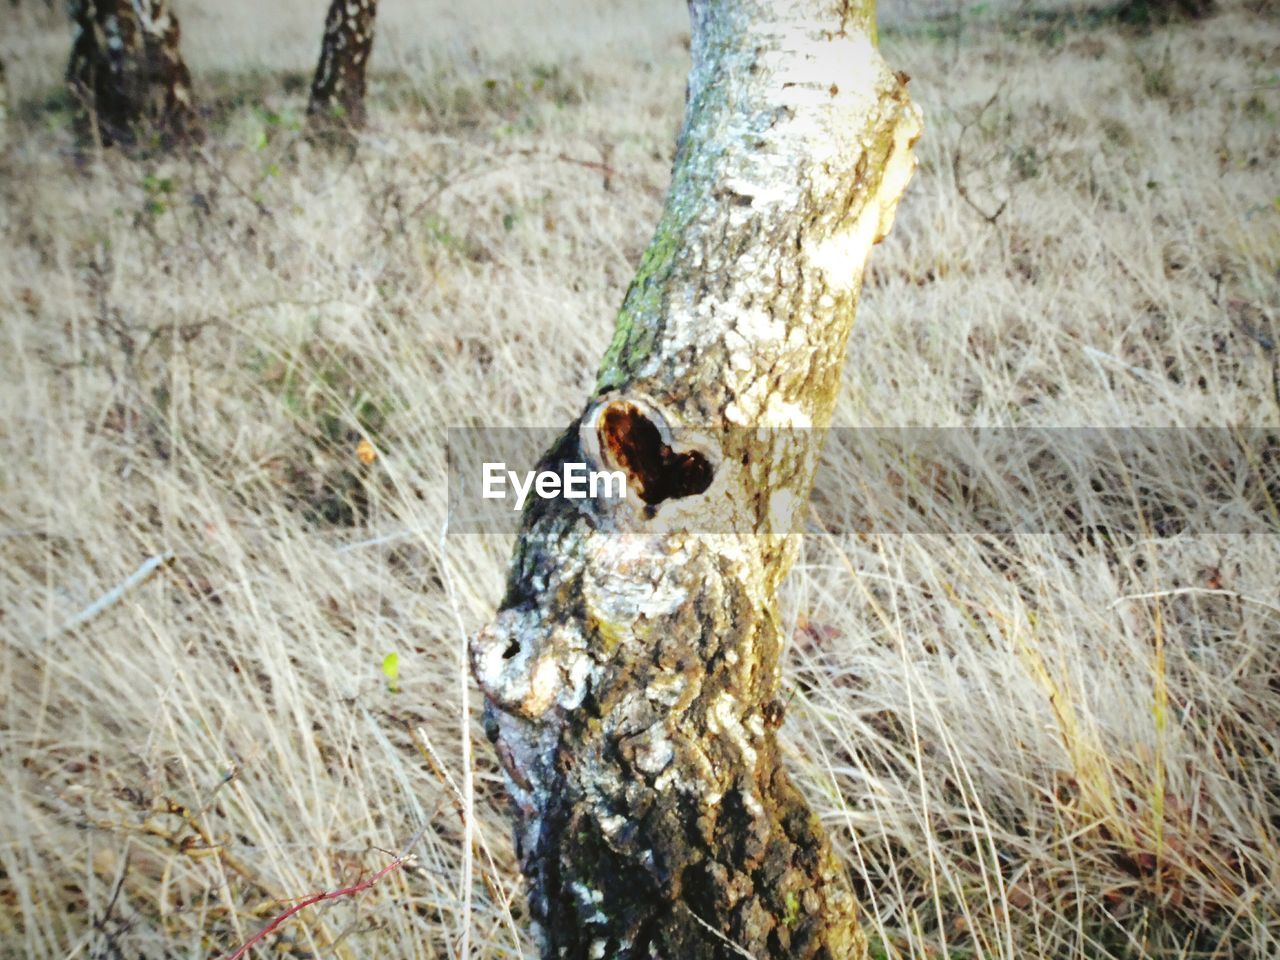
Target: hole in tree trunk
x,y
654,470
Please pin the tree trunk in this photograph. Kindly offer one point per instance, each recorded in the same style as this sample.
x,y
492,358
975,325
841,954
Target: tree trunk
x,y
1149,12
127,71
4,109
337,92
632,673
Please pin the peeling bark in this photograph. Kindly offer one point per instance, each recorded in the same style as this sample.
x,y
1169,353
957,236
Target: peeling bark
x,y
337,92
632,672
127,72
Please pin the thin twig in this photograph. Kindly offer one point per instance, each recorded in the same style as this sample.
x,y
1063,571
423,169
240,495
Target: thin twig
x,y
480,846
394,537
318,898
404,858
732,944
205,157
468,781
957,161
117,593
1196,591
491,165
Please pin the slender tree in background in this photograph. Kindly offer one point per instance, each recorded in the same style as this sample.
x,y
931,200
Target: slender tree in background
x,y
1148,12
337,92
632,673
127,72
4,108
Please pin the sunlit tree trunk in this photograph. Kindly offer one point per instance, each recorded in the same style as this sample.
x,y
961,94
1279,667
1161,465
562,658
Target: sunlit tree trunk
x,y
632,673
337,92
127,72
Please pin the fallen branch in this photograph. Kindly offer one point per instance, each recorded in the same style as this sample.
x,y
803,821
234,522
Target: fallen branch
x,y
117,593
957,162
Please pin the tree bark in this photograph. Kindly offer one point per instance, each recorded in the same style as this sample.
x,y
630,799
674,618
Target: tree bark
x,y
337,92
632,673
127,71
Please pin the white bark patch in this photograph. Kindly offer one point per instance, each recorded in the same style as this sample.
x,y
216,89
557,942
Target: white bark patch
x,y
629,576
654,751
665,689
577,670
842,257
543,687
759,405
525,669
782,413
589,899
785,508
612,823
814,67
723,720
758,327
754,334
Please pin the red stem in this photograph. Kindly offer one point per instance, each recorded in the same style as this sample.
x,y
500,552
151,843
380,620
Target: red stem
x,y
314,898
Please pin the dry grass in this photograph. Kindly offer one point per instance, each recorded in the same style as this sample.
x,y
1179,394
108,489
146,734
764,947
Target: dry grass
x,y
1032,747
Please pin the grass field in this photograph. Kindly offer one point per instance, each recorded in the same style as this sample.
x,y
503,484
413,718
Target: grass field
x,y
231,374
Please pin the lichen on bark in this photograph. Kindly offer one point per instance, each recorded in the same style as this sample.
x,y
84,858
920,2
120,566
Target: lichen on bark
x,y
632,673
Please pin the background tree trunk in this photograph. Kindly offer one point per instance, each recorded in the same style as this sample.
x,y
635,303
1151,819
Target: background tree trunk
x,y
4,109
1146,12
632,673
337,92
127,71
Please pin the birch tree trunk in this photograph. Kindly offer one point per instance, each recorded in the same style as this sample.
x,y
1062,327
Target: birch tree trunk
x,y
127,71
337,92
632,672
